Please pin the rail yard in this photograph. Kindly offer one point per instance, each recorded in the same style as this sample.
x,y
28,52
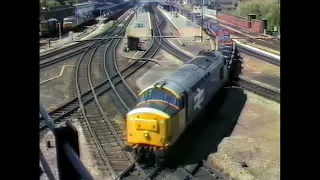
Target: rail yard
x,y
96,83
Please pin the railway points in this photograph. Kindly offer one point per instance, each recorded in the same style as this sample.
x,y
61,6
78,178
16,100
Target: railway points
x,y
66,41
73,50
110,105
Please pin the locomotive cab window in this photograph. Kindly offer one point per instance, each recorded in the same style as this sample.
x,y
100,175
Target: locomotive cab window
x,y
157,94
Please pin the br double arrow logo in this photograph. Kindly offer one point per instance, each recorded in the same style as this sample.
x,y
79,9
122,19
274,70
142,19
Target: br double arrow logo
x,y
198,99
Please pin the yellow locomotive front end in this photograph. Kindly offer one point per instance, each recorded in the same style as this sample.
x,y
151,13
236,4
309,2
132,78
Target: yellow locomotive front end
x,y
156,122
148,126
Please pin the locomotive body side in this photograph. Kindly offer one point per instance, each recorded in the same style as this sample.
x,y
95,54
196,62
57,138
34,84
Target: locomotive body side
x,y
213,73
165,109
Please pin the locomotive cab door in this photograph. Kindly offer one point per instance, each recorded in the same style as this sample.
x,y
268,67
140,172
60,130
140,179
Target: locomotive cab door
x,y
183,113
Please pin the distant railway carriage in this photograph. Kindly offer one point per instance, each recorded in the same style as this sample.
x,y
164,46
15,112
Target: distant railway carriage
x,y
48,27
83,13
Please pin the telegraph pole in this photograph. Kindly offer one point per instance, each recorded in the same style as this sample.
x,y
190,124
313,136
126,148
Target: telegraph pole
x,y
48,22
202,19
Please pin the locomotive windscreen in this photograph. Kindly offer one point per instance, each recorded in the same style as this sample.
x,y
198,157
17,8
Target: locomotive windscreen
x,y
156,94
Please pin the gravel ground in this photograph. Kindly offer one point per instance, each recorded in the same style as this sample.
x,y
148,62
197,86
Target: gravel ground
x,y
260,72
252,152
59,90
255,138
153,72
49,154
85,154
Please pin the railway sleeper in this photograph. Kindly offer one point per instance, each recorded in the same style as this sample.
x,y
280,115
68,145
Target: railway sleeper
x,y
104,137
109,149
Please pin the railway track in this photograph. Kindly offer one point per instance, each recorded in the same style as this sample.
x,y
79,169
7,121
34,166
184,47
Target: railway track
x,y
64,111
98,123
270,43
265,92
165,44
257,89
64,35
106,134
76,49
202,170
71,47
68,108
126,96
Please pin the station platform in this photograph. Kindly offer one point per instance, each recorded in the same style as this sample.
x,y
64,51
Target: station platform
x,y
140,27
56,43
190,42
188,30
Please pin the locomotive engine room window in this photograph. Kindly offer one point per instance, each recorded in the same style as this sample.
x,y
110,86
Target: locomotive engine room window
x,y
160,95
221,73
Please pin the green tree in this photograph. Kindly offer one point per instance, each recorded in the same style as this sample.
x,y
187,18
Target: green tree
x,y
269,10
49,3
74,1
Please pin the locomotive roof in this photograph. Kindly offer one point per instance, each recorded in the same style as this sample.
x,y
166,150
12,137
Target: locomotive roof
x,y
179,80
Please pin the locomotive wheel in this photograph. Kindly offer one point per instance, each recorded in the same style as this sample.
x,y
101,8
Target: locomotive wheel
x,y
150,159
141,154
235,66
235,69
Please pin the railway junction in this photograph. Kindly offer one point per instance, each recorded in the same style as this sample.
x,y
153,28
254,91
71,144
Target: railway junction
x,y
94,82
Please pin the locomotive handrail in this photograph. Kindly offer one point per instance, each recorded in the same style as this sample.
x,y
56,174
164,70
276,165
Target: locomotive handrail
x,y
70,154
